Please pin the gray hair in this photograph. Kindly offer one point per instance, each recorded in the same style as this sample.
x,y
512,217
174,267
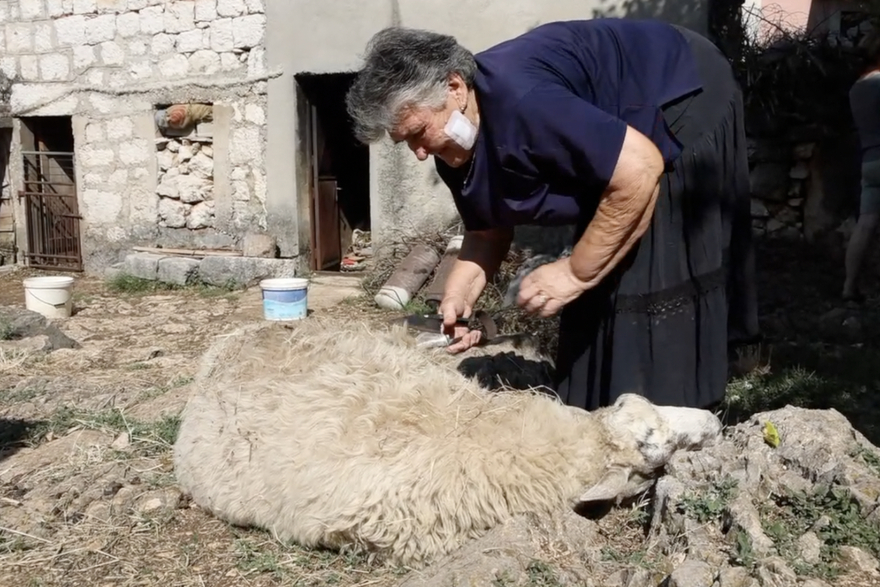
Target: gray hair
x,y
404,67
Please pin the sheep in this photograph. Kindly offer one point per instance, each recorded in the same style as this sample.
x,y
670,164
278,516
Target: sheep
x,y
339,435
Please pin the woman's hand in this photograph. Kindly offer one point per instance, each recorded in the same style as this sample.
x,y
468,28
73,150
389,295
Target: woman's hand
x,y
480,256
550,287
452,308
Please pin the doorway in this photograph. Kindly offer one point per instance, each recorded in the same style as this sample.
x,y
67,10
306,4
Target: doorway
x,y
337,166
51,209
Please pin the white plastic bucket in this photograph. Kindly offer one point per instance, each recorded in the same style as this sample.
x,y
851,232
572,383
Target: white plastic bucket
x,y
285,298
49,296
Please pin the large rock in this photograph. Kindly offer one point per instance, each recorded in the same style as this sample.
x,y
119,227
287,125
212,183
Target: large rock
x,y
178,270
17,324
143,265
243,271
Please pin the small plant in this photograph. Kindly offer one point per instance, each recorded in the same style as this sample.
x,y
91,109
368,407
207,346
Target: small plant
x,y
150,437
251,560
541,574
124,283
743,552
709,505
129,284
6,330
842,524
869,458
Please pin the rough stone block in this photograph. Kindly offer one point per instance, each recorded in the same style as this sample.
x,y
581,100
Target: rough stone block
x,y
243,271
178,270
254,113
112,53
151,20
85,6
31,10
204,62
246,146
183,16
101,28
71,30
19,38
143,265
255,6
55,8
102,207
174,66
220,33
206,10
83,57
191,41
43,37
128,24
30,68
54,67
93,155
114,271
231,7
248,31
259,245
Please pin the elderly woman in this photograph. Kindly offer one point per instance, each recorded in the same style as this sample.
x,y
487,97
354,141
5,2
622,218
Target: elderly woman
x,y
630,130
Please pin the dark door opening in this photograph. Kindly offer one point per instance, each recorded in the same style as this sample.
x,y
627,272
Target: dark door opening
x,y
50,203
338,168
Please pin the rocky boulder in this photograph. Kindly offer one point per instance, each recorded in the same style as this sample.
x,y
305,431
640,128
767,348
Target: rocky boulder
x,y
24,328
743,513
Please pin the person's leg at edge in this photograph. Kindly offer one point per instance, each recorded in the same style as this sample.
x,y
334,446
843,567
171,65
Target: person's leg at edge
x,y
863,234
855,254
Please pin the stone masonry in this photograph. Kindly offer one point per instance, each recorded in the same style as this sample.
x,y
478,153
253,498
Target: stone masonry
x,y
109,65
186,183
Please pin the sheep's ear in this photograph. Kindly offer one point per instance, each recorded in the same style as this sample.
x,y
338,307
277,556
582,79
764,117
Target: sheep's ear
x,y
612,486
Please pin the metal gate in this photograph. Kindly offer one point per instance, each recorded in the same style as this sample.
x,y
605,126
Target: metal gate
x,y
51,211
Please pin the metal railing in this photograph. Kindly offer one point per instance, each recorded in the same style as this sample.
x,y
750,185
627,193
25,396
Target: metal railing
x,y
51,211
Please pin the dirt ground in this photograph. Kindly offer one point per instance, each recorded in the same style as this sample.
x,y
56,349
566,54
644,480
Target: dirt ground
x,y
87,493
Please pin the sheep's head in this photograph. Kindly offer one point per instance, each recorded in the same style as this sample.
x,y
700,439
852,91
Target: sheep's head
x,y
641,438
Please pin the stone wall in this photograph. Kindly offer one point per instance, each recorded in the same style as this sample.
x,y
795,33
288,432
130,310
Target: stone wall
x,y
779,171
803,147
806,185
110,65
186,183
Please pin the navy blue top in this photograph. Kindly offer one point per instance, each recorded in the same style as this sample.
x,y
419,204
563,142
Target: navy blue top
x,y
554,105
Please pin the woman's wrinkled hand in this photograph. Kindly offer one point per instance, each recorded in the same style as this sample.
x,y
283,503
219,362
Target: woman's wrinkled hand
x,y
452,308
547,289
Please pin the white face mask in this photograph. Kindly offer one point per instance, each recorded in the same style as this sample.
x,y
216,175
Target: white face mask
x,y
461,130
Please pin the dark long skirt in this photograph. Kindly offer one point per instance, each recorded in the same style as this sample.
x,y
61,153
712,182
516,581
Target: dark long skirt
x,y
660,324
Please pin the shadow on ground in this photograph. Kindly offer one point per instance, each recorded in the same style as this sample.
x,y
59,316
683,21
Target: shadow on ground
x,y
15,434
818,352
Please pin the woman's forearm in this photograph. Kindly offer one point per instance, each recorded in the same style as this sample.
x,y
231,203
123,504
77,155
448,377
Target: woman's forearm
x,y
624,212
480,257
620,221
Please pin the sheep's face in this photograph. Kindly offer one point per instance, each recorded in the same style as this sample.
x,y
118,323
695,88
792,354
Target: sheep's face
x,y
641,438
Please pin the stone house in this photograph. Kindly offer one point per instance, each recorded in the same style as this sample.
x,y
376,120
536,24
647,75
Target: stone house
x,y
203,124
768,18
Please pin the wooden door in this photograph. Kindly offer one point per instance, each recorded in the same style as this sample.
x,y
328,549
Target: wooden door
x,y
324,206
